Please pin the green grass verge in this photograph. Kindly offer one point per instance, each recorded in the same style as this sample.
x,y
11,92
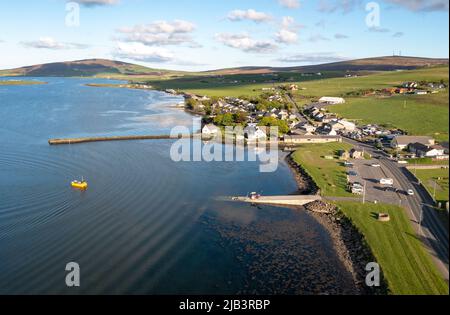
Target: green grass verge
x,y
329,175
407,266
438,176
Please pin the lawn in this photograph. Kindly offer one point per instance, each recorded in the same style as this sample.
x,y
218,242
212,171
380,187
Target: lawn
x,y
435,178
329,175
407,266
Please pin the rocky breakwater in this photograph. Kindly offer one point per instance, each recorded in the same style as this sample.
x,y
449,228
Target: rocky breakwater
x,y
350,244
306,185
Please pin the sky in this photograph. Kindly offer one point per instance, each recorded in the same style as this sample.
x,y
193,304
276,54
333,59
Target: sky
x,y
198,35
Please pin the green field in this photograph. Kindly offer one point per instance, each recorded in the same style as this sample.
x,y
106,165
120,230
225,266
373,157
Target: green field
x,y
329,175
439,177
407,267
341,86
418,115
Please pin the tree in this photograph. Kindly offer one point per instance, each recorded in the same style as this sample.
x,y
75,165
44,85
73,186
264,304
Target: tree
x,y
283,127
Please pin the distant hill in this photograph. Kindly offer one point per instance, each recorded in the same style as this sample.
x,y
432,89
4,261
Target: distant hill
x,y
89,67
110,68
369,64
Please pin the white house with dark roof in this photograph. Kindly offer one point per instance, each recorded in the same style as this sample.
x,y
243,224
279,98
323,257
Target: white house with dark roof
x,y
403,142
210,130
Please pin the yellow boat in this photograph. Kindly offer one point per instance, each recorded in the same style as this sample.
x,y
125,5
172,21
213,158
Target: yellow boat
x,y
83,185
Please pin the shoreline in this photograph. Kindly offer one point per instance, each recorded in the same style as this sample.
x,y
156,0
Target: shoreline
x,y
349,244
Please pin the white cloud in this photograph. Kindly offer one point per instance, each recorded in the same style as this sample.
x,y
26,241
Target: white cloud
x,y
312,58
160,33
50,43
92,3
422,5
287,34
252,15
245,43
291,4
141,52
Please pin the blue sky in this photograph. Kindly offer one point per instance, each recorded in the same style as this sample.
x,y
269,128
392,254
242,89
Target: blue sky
x,y
211,34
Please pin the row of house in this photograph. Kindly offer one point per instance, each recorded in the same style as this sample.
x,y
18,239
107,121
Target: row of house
x,y
420,146
252,132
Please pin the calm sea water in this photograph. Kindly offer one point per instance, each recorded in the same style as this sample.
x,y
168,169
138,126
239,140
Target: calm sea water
x,y
146,225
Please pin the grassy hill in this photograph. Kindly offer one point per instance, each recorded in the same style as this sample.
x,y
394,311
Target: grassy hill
x,y
89,68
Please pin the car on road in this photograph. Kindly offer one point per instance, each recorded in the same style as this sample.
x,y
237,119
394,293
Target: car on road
x,y
348,164
386,181
410,192
352,173
376,165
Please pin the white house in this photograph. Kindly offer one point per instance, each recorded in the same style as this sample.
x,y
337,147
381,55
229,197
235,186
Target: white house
x,y
255,133
210,130
348,126
422,150
402,142
332,100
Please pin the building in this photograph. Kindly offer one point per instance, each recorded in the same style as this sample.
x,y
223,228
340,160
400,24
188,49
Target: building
x,y
356,154
402,142
332,100
309,129
344,155
410,85
253,133
210,130
342,125
296,139
421,150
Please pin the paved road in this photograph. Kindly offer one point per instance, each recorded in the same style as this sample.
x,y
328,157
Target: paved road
x,y
295,110
429,224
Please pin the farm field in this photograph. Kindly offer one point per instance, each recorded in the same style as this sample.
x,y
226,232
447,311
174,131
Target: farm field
x,y
437,176
418,115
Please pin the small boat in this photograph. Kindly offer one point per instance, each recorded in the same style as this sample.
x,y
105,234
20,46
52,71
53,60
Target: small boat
x,y
83,185
254,196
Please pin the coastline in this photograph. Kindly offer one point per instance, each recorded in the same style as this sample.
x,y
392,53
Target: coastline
x,y
349,243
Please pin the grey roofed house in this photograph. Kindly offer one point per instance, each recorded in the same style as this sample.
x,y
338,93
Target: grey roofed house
x,y
402,142
418,147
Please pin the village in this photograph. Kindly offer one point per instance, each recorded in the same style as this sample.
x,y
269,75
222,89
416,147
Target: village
x,y
314,123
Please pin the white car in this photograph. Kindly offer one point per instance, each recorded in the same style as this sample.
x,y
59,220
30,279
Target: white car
x,y
376,165
410,192
387,181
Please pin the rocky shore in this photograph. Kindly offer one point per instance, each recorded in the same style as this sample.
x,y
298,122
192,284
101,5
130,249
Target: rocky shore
x,y
350,244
